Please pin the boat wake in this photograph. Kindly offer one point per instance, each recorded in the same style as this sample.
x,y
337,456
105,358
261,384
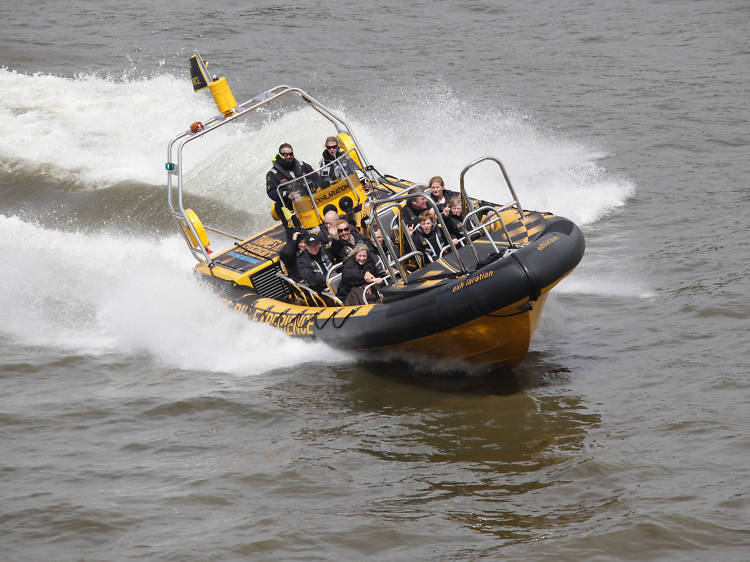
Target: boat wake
x,y
107,294
81,130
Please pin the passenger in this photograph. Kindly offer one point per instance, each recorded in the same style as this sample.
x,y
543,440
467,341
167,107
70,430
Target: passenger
x,y
314,263
439,194
348,238
455,219
291,252
330,170
358,271
430,211
375,233
330,219
329,234
428,239
280,181
414,207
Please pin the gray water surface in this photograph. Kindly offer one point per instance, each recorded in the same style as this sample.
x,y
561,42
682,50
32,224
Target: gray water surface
x,y
140,421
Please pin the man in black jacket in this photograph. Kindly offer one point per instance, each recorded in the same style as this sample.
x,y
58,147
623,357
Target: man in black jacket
x,y
314,263
291,252
348,238
415,205
283,184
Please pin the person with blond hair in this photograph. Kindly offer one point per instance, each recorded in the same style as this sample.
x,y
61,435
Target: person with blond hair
x,y
357,272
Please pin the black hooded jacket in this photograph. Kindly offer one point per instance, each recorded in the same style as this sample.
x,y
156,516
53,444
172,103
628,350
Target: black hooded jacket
x,y
430,244
353,275
333,171
313,269
281,175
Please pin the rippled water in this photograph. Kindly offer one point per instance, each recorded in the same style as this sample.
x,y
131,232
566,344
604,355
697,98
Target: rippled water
x,y
142,420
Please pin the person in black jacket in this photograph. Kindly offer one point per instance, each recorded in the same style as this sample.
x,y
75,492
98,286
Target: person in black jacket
x,y
357,272
428,239
455,218
291,251
330,171
440,195
314,263
348,238
376,233
415,205
283,184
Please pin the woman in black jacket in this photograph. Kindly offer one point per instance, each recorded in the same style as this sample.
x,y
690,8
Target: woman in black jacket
x,y
358,271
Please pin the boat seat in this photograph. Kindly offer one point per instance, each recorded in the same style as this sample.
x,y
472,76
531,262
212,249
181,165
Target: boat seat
x,y
333,280
303,292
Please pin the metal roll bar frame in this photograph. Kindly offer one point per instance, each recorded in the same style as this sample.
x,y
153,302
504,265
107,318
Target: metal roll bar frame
x,y
471,217
177,145
374,220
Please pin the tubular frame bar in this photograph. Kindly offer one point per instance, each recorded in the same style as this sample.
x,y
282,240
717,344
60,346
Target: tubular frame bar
x,y
374,219
505,175
178,143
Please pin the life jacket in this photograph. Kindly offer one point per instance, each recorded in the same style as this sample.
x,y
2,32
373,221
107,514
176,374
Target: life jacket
x,y
321,263
332,170
287,174
430,243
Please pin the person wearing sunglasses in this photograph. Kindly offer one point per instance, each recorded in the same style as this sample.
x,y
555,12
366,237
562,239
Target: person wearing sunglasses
x,y
330,171
285,182
348,238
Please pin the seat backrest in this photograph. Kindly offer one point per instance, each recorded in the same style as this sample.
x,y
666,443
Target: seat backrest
x,y
307,294
333,279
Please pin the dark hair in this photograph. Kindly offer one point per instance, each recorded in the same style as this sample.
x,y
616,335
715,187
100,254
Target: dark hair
x,y
285,145
415,192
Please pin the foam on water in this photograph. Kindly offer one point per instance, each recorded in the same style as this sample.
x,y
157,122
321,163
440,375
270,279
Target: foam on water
x,y
92,130
102,294
96,131
608,285
425,136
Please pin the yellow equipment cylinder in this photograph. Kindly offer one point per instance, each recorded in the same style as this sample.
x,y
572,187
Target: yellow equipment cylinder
x,y
346,142
306,214
223,95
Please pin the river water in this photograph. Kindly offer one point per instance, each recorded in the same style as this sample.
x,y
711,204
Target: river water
x,y
141,420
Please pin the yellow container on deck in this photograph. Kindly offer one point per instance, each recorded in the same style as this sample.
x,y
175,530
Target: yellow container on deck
x,y
346,142
306,214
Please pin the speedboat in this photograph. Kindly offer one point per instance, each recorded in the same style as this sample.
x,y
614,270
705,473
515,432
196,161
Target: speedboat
x,y
478,301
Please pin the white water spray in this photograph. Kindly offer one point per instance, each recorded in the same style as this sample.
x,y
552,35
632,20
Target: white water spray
x,y
101,294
